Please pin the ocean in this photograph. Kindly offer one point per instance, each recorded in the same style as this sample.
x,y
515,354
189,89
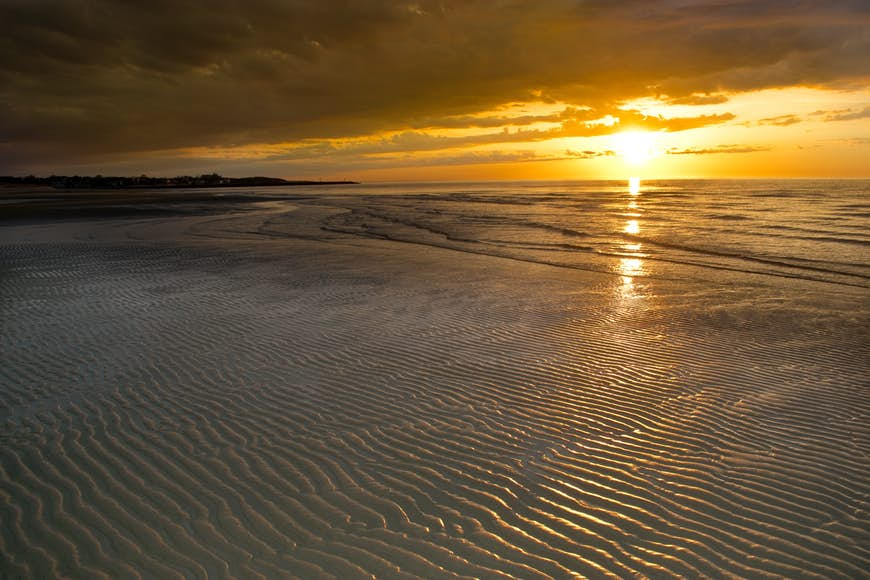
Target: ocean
x,y
501,379
804,229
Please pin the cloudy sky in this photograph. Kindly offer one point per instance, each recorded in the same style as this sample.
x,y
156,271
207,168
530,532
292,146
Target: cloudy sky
x,y
436,89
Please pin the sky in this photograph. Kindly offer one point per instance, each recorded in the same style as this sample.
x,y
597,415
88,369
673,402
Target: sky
x,y
379,90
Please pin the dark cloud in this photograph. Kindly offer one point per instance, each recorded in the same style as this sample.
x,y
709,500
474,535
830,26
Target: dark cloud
x,y
92,77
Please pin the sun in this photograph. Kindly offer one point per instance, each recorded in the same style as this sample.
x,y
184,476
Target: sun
x,y
636,147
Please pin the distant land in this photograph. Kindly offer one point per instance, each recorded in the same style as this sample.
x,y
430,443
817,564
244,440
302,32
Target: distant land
x,y
143,181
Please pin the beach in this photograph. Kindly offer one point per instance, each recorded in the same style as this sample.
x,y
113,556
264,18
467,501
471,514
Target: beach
x,y
528,381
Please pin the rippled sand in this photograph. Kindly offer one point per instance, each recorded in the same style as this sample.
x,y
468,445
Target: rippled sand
x,y
244,394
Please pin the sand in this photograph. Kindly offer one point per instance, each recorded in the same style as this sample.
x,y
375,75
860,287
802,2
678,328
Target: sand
x,y
232,393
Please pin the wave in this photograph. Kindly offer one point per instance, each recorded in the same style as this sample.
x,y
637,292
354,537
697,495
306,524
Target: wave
x,y
490,238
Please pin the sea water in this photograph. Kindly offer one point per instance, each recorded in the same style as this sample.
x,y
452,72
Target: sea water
x,y
805,229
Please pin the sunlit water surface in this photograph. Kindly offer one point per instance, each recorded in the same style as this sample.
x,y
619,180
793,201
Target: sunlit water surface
x,y
804,229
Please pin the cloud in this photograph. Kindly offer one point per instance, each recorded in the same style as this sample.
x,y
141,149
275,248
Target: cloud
x,y
574,123
684,123
588,154
717,149
698,100
849,115
422,141
466,158
83,78
780,121
859,141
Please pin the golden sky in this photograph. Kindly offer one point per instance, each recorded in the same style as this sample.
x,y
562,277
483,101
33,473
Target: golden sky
x,y
437,89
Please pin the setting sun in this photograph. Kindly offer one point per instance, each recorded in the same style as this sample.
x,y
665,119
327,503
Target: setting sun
x,y
636,147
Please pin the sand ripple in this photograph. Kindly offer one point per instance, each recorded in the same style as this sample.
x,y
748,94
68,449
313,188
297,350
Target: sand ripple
x,y
346,409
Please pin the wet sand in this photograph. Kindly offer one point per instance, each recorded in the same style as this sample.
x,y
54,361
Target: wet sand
x,y
233,390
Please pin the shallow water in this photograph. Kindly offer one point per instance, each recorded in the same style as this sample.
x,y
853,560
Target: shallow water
x,y
804,229
474,380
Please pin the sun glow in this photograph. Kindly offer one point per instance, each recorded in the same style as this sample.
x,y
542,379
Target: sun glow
x,y
636,147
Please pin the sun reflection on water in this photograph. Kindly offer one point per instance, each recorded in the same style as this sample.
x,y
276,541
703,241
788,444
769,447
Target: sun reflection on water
x,y
630,267
631,263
